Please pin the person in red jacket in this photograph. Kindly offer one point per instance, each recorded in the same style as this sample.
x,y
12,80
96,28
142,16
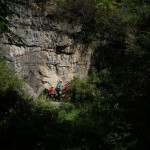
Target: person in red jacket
x,y
52,91
67,88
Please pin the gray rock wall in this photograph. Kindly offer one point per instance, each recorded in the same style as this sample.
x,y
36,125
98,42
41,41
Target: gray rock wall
x,y
51,53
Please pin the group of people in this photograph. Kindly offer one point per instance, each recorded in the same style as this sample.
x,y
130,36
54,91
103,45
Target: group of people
x,y
59,91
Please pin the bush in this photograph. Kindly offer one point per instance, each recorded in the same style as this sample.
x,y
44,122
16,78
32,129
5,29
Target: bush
x,y
10,89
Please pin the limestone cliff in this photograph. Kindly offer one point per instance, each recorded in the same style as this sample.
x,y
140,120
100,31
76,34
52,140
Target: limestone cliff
x,y
50,53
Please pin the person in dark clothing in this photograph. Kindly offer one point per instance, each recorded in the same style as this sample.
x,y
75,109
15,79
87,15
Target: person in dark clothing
x,y
59,89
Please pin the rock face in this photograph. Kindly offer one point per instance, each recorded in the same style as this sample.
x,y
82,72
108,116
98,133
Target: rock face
x,y
51,52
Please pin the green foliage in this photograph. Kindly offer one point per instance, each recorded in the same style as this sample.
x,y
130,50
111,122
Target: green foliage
x,y
10,89
4,13
8,79
85,90
125,85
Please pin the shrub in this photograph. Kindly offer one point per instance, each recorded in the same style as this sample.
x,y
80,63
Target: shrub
x,y
10,88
